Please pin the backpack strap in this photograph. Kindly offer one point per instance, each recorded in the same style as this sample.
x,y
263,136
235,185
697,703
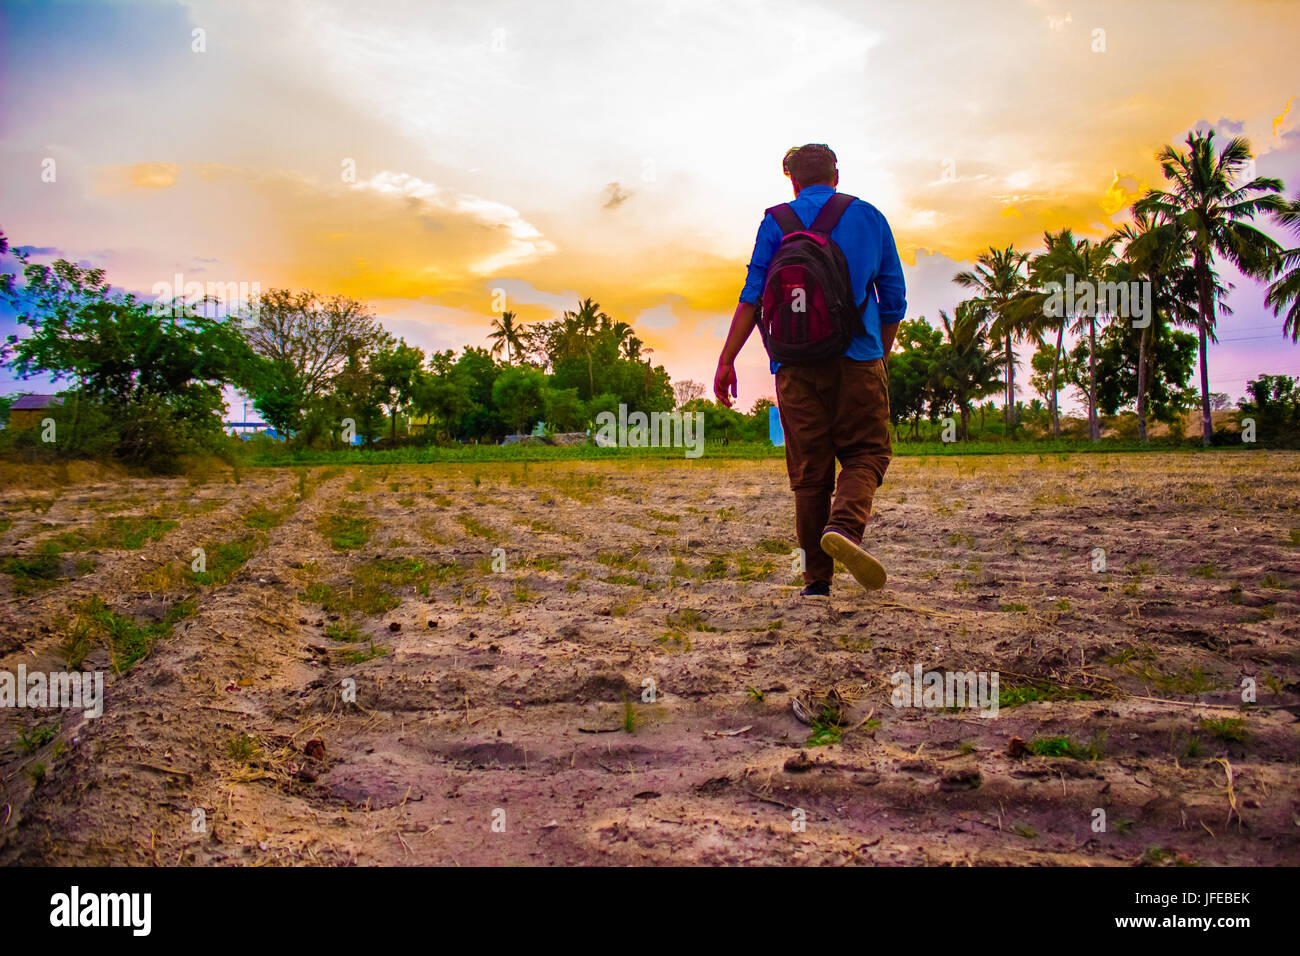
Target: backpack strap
x,y
786,218
829,215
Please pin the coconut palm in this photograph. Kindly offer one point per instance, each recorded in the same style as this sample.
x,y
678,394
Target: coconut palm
x,y
1286,289
1038,320
506,334
1067,262
1156,249
997,280
968,366
585,323
1207,200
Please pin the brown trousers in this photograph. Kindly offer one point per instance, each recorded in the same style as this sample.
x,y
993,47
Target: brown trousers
x,y
836,409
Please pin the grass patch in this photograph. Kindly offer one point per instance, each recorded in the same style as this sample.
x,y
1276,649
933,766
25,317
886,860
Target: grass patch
x,y
476,527
688,619
227,557
127,639
120,533
32,739
749,571
243,748
263,518
674,641
1065,747
361,655
1231,730
345,533
36,573
365,597
345,632
630,717
1015,696
826,729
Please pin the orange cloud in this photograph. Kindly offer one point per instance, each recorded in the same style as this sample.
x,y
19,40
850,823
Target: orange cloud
x,y
138,176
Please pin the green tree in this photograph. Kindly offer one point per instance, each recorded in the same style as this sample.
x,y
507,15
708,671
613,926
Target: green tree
x,y
1171,354
507,334
161,375
1284,292
1156,249
1273,401
966,366
997,281
911,385
1208,201
519,392
398,369
563,410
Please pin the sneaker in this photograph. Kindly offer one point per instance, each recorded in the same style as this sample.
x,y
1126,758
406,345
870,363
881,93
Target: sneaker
x,y
817,589
869,572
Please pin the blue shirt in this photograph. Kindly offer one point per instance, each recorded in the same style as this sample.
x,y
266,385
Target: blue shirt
x,y
874,268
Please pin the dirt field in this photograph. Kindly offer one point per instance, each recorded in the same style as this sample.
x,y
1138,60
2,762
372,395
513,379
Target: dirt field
x,y
507,715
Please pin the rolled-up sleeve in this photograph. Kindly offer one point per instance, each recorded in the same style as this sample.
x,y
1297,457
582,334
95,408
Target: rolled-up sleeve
x,y
891,291
765,246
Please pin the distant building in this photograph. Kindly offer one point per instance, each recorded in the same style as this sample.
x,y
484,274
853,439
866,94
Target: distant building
x,y
30,409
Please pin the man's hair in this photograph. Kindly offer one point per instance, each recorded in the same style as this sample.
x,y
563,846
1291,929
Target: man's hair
x,y
810,165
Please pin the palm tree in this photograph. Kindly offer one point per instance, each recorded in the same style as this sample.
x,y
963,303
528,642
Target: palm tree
x,y
1030,306
506,334
997,280
968,366
585,323
1286,289
1155,248
1207,201
1066,262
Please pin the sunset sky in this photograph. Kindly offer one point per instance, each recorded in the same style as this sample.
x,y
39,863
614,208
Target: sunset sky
x,y
623,151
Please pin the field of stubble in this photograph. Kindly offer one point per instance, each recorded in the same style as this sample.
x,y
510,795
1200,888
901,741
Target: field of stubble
x,y
359,676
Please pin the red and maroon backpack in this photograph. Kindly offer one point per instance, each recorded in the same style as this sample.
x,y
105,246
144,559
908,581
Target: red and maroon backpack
x,y
808,312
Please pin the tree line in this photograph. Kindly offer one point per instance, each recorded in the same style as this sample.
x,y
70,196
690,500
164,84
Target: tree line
x,y
1172,247
148,378
148,382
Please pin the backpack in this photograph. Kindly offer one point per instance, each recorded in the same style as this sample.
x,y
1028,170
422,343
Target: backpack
x,y
807,312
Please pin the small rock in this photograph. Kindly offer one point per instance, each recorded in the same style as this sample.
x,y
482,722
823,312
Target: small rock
x,y
799,763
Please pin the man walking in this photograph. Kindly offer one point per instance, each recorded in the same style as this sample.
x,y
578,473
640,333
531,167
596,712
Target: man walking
x,y
825,287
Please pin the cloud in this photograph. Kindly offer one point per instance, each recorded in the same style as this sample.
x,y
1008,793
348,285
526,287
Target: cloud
x,y
616,196
139,176
433,205
1278,121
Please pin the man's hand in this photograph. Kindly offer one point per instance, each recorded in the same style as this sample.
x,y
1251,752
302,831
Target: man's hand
x,y
724,383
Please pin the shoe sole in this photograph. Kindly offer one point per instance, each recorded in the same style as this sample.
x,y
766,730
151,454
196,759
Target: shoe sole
x,y
868,572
